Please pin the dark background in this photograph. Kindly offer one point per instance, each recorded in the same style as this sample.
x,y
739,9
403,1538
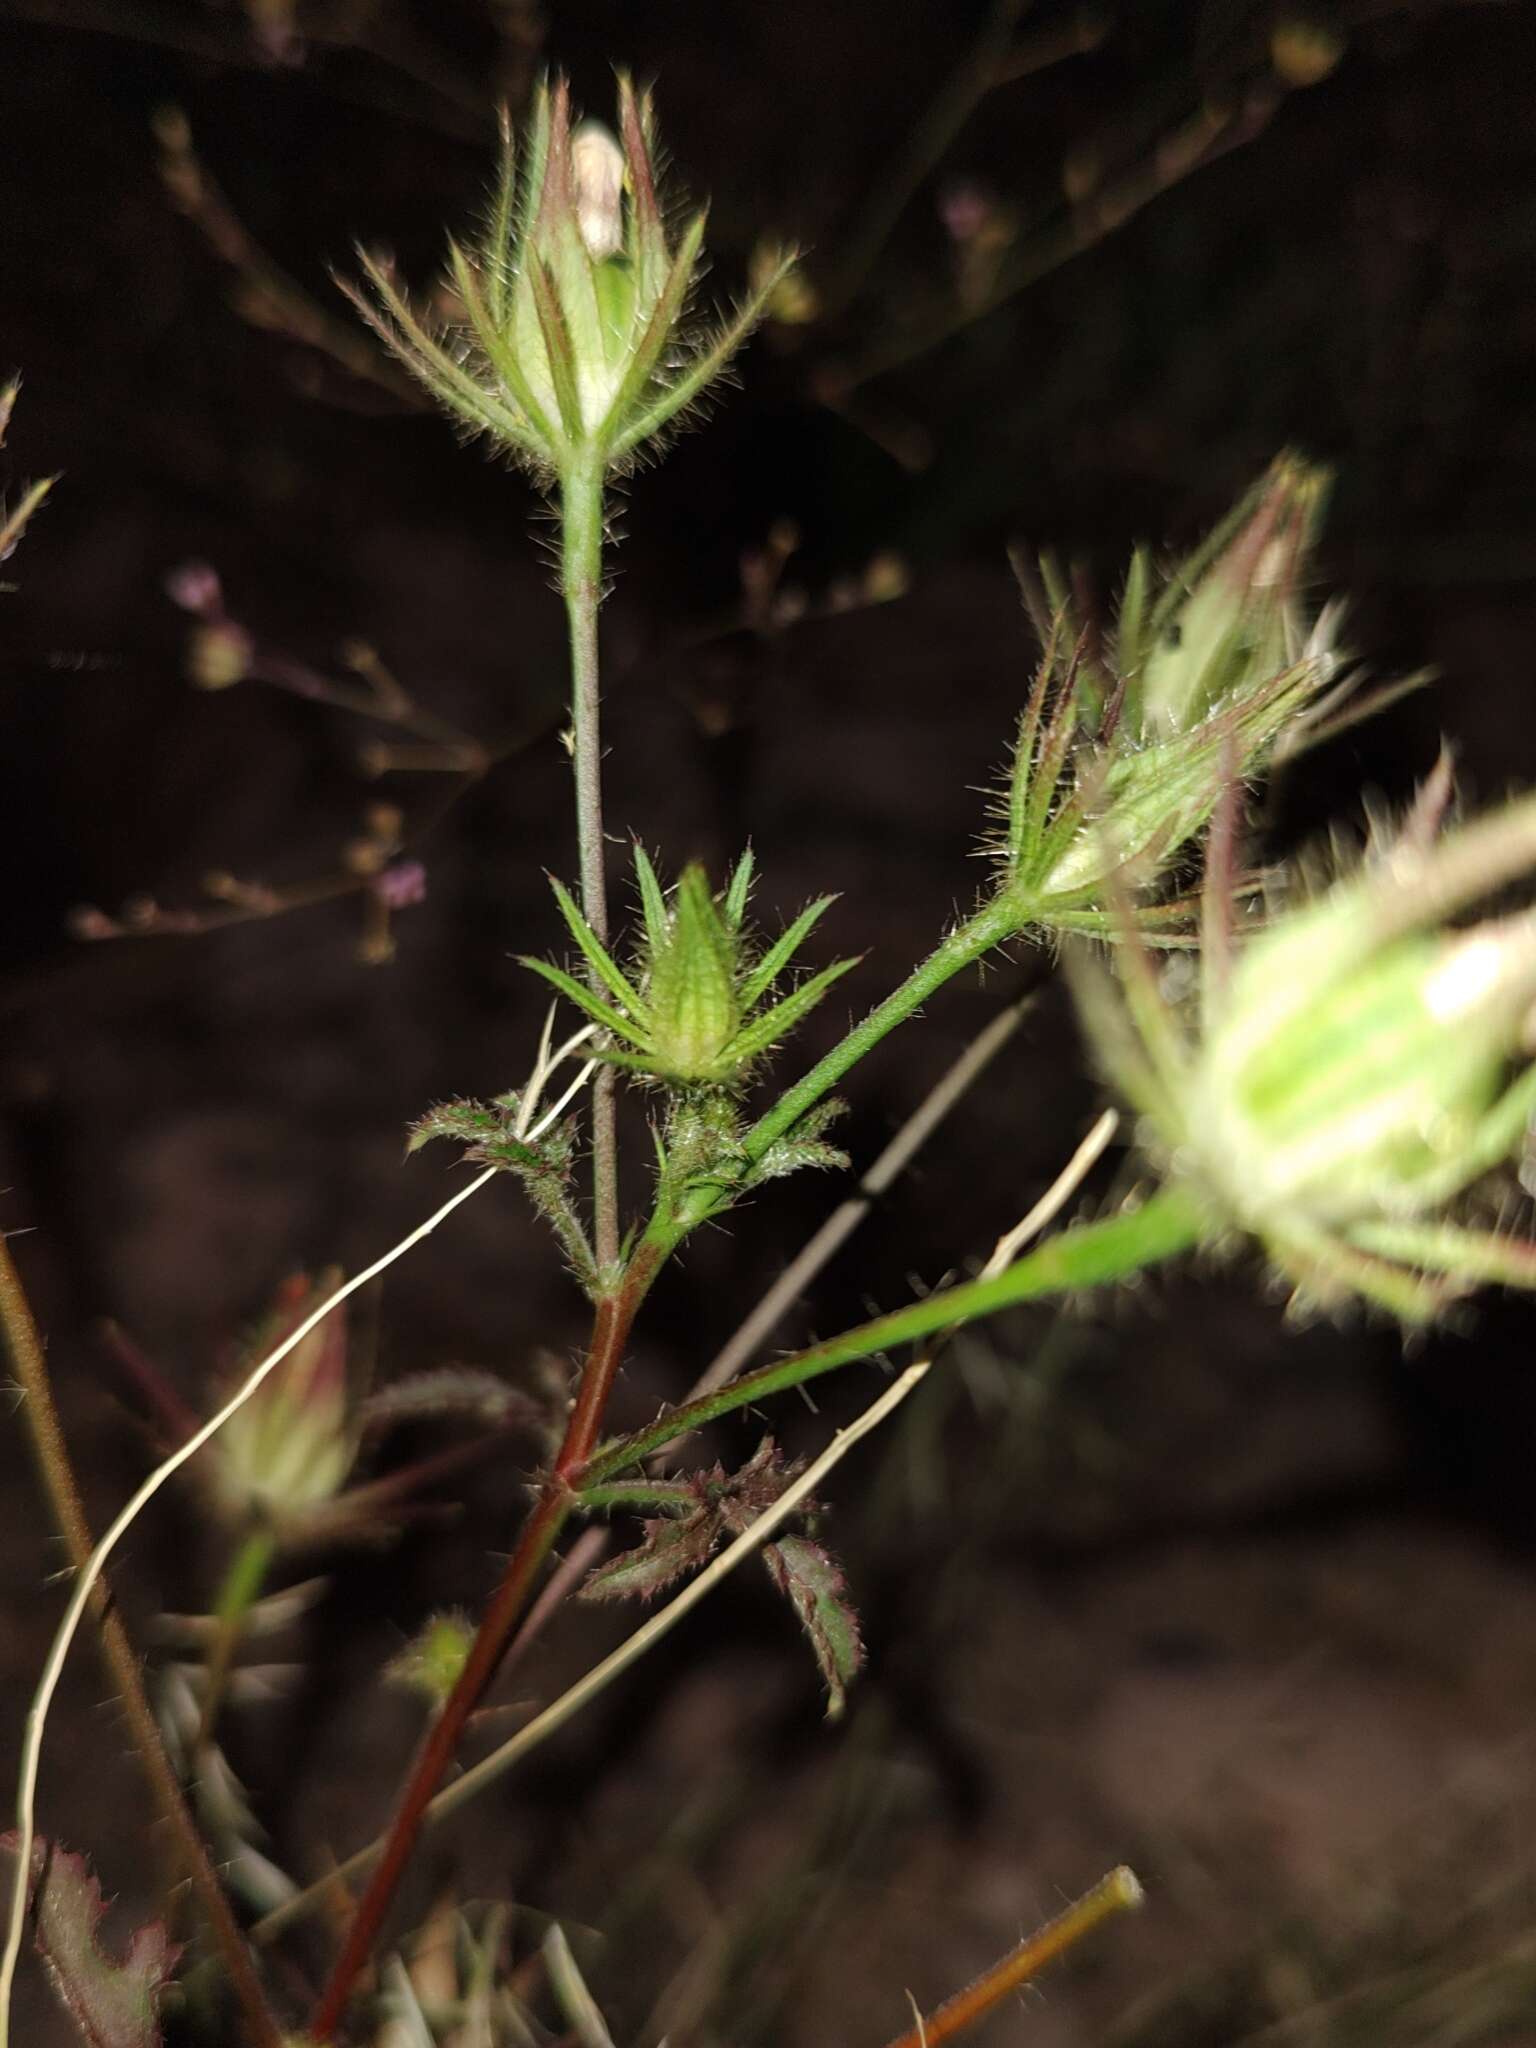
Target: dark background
x,y
1249,1607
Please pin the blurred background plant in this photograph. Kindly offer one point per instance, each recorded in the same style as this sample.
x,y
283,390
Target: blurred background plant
x,y
1274,1621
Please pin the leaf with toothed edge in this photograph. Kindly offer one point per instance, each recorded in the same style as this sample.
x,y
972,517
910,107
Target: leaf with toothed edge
x,y
113,2000
670,1546
813,1582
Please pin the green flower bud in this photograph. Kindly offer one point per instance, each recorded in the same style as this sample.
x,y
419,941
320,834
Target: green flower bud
x,y
574,345
433,1660
1361,1092
692,1013
1357,1068
1130,736
1228,620
693,987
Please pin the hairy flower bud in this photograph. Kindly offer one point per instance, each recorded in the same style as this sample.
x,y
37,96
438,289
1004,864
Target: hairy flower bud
x,y
574,348
1228,620
1358,1067
1131,734
692,1013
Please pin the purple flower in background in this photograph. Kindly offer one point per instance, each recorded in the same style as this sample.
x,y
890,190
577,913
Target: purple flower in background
x,y
401,884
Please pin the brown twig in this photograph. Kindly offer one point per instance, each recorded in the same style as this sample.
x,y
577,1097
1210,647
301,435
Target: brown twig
x,y
25,1350
1111,1895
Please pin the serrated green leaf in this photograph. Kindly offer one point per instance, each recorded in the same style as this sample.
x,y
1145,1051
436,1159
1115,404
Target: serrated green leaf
x,y
669,1549
465,1121
813,1582
790,1155
113,2001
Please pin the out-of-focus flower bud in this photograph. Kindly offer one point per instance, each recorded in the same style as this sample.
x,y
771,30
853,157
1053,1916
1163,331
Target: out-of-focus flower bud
x,y
1357,1067
1130,735
219,655
432,1661
195,588
1305,49
287,1452
1229,619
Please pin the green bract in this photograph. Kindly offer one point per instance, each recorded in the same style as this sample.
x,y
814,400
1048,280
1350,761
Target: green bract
x,y
571,344
1356,1069
691,1013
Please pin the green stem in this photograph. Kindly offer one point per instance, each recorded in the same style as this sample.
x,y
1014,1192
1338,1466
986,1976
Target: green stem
x,y
1085,1256
659,1493
238,1594
581,580
25,1350
996,921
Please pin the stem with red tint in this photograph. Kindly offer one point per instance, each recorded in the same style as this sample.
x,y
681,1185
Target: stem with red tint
x,y
612,1322
1110,1895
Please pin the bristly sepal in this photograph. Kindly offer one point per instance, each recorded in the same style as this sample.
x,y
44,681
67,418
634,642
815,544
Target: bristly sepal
x,y
813,1582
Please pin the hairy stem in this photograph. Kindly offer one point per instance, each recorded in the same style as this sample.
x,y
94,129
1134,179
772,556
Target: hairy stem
x,y
1111,1895
893,1161
616,1309
1061,1191
996,921
613,1319
25,1350
1085,1256
961,948
581,578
